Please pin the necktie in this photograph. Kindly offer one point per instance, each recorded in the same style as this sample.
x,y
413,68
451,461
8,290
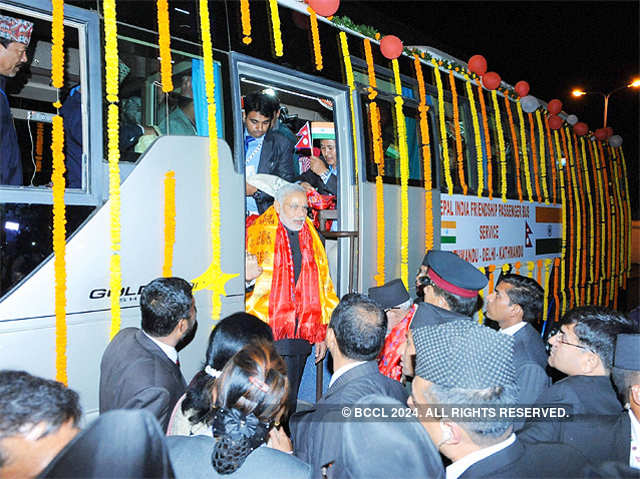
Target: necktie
x,y
248,139
178,362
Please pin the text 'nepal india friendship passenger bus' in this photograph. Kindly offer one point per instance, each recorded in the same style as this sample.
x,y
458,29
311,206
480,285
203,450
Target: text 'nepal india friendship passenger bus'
x,y
429,156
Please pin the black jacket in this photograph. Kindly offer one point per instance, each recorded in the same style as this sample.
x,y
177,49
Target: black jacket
x,y
276,158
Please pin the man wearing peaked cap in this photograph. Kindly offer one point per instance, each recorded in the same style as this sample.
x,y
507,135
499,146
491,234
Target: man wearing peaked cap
x,y
460,364
15,35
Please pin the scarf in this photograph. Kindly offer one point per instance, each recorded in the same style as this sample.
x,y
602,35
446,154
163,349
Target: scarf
x,y
389,358
275,298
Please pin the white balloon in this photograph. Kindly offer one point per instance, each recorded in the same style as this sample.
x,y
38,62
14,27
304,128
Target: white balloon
x,y
572,119
529,103
615,141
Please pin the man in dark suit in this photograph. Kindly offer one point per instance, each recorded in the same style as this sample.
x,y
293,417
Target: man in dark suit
x,y
514,304
582,348
140,367
463,365
354,337
266,150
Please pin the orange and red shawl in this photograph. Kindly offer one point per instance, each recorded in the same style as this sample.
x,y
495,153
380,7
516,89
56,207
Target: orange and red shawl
x,y
389,359
275,298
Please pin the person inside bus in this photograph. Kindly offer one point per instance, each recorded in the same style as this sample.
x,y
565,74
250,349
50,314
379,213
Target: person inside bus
x,y
182,119
266,150
322,175
294,294
15,35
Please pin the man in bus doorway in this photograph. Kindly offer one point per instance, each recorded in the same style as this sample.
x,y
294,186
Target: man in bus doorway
x,y
15,35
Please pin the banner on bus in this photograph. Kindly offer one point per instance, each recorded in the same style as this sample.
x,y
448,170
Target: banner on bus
x,y
487,231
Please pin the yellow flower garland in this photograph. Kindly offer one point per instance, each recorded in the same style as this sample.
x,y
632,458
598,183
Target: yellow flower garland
x,y
590,219
169,221
514,139
563,264
596,223
57,44
617,259
583,231
443,129
481,301
501,147
525,154
315,35
624,221
245,18
578,218
458,135
552,159
601,196
164,42
476,135
534,156
275,26
540,268
344,45
543,161
531,266
547,290
628,214
605,185
426,155
371,72
556,138
404,176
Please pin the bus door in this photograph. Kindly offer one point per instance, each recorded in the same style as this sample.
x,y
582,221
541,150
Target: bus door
x,y
314,113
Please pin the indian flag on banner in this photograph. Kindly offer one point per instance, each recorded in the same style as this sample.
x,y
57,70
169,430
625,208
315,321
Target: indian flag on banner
x,y
322,130
548,230
448,232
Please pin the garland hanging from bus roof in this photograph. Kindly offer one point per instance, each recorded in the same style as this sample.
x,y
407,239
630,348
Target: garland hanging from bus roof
x,y
481,298
477,138
583,231
534,157
624,221
594,254
245,19
487,139
591,228
346,57
628,215
600,247
404,176
556,298
275,27
457,132
563,264
543,160
540,271
607,196
501,147
444,144
552,159
164,43
547,291
619,237
426,155
169,222
516,152
531,266
571,216
525,155
113,155
315,36
378,158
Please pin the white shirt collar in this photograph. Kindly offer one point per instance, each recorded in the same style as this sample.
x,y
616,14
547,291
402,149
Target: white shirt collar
x,y
456,469
170,351
511,330
343,370
634,456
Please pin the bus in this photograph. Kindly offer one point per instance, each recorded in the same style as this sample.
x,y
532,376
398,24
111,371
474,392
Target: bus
x,y
445,164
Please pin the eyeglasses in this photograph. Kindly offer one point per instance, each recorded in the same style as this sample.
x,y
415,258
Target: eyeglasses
x,y
560,338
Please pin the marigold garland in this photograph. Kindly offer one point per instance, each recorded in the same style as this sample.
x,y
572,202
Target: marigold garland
x,y
563,264
169,221
443,129
164,42
618,237
578,222
315,35
552,160
491,268
371,71
543,161
517,266
556,299
57,44
501,147
601,250
591,220
39,146
556,138
583,232
545,285
595,249
607,197
624,220
481,300
275,26
534,157
539,275
477,138
570,216
245,18
404,176
516,152
458,135
525,154
348,68
531,266
426,156
487,140
628,214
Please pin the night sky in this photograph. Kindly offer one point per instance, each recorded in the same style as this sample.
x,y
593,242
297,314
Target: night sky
x,y
555,46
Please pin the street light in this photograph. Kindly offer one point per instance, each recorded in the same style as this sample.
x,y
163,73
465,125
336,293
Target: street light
x,y
578,93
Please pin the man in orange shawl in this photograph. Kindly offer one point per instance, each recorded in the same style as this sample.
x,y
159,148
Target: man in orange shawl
x,y
294,294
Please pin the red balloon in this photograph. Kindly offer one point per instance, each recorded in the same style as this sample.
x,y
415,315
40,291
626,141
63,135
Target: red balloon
x,y
491,80
391,46
609,131
522,88
554,107
478,64
326,8
555,122
601,134
581,128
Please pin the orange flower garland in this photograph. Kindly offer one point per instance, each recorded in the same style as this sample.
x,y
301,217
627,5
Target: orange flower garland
x,y
481,300
517,266
491,268
556,299
516,152
545,285
628,214
534,156
348,68
487,140
245,18
578,219
607,197
169,221
525,154
583,232
275,27
315,35
164,42
595,258
501,148
443,128
458,135
601,253
476,135
543,162
563,265
426,155
552,159
568,258
591,219
539,275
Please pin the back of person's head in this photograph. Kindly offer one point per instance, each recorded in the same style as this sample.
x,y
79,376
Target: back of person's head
x,y
359,325
596,328
525,292
163,303
229,336
260,103
626,367
27,401
458,304
250,396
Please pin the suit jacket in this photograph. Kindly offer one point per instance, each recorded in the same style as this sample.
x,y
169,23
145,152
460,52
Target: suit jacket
x,y
524,460
316,433
276,158
593,404
136,374
191,459
530,361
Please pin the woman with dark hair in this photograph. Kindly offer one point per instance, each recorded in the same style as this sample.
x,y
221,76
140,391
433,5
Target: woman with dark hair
x,y
248,399
229,336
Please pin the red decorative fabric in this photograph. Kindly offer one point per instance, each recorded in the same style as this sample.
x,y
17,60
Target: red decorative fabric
x,y
319,202
389,358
